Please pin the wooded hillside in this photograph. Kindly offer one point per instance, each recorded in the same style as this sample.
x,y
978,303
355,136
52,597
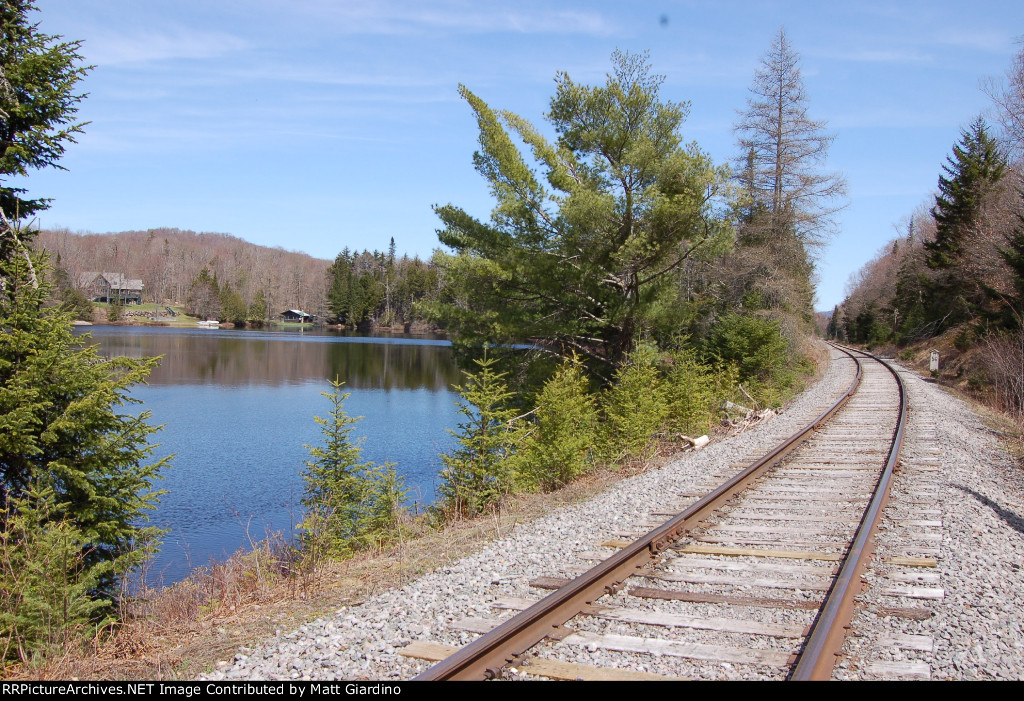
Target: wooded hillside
x,y
169,260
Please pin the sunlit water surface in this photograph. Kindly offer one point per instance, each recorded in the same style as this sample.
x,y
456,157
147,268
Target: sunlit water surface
x,y
237,408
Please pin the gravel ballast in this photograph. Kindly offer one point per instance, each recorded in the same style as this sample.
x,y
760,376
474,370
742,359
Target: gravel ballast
x,y
977,626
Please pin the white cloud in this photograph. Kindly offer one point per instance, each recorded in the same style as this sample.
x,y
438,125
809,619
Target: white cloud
x,y
108,48
399,18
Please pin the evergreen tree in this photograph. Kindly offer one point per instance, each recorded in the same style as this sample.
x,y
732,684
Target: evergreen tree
x,y
971,173
636,407
74,489
562,439
574,264
38,103
348,503
232,306
61,431
832,330
479,473
204,297
258,309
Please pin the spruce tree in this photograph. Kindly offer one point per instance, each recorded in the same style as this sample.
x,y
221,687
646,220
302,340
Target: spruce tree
x,y
478,472
349,504
65,428
74,480
971,174
38,102
562,440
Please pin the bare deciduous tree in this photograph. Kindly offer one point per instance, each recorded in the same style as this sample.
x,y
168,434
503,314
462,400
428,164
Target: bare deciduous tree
x,y
1008,97
783,150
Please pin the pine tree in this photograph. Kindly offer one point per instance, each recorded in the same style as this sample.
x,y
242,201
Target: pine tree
x,y
478,472
61,430
972,173
38,103
577,250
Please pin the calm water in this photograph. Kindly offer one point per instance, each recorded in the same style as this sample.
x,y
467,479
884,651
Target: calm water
x,y
238,409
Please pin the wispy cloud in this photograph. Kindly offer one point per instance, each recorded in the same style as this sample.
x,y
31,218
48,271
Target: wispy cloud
x,y
110,48
893,117
402,18
992,41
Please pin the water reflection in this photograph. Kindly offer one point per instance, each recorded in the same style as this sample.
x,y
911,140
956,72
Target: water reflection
x,y
237,409
230,357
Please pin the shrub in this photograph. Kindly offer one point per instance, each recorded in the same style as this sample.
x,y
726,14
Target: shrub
x,y
754,344
692,392
348,504
477,473
561,441
46,584
636,407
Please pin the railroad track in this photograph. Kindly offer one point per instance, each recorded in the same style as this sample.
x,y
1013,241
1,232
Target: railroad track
x,y
760,572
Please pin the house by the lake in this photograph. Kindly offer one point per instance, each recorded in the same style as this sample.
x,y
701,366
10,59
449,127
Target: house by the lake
x,y
107,287
297,316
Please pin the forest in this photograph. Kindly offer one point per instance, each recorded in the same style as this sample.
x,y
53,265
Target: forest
x,y
953,279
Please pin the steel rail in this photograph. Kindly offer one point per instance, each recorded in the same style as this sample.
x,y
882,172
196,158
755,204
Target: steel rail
x,y
828,631
484,657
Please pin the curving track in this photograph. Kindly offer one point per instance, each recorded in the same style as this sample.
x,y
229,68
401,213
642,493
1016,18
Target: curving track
x,y
760,572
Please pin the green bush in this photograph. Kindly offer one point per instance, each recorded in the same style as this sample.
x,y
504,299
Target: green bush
x,y
754,344
45,583
477,474
561,440
75,303
692,391
636,407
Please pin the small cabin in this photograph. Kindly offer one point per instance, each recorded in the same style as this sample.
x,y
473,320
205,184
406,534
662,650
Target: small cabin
x,y
296,316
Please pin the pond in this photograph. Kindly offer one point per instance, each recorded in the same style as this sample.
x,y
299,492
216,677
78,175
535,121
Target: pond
x,y
237,408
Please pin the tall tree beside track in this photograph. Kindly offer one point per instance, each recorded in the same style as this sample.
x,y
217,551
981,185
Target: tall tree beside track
x,y
573,262
789,199
971,177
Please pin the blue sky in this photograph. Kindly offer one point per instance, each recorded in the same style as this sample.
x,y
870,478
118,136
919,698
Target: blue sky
x,y
315,124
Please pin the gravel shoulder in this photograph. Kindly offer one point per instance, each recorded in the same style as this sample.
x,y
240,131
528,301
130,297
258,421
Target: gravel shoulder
x,y
958,499
976,627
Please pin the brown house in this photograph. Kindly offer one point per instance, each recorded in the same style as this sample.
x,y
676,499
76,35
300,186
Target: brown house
x,y
106,287
296,315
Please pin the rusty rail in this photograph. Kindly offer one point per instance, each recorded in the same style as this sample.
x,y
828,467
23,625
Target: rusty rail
x,y
484,657
828,631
